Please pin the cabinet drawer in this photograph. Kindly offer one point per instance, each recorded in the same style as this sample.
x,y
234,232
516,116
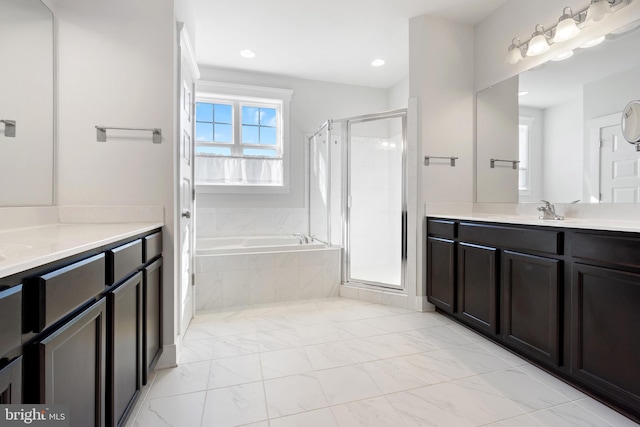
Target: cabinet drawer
x,y
10,320
152,246
123,261
441,227
524,239
615,250
51,297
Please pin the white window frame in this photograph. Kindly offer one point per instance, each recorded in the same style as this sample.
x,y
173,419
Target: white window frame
x,y
210,92
528,123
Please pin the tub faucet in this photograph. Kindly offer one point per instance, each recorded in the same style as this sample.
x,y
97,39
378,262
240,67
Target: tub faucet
x,y
549,211
302,237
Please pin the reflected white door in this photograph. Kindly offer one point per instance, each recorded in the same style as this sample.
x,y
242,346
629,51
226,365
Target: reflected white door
x,y
619,167
186,176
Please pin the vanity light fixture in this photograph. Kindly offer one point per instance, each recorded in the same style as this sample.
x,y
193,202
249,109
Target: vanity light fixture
x,y
567,27
514,54
598,10
378,62
538,43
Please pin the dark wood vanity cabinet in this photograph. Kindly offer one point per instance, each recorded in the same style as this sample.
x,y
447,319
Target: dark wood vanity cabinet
x,y
125,348
11,382
478,286
531,305
566,299
70,363
89,328
442,274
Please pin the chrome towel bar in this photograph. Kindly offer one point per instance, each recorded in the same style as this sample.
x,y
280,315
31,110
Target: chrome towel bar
x,y
452,159
102,133
513,162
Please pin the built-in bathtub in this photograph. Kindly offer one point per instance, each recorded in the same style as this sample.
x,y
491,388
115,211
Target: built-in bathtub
x,y
250,270
253,244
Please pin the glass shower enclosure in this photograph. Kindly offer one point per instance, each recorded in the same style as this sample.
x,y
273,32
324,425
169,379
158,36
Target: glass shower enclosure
x,y
357,196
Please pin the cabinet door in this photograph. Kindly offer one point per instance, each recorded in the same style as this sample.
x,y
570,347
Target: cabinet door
x,y
605,343
125,349
441,273
478,286
72,363
152,346
11,383
530,309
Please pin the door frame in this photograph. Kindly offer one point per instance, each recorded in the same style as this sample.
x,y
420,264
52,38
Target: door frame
x,y
346,184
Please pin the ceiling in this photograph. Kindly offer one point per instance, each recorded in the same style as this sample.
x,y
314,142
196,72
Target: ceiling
x,y
329,40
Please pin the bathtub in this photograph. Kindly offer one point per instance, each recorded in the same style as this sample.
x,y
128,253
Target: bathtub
x,y
252,244
251,270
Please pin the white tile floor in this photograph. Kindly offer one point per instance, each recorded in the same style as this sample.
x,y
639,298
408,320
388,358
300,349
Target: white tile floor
x,y
341,362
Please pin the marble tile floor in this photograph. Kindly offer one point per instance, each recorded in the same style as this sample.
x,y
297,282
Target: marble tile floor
x,y
342,362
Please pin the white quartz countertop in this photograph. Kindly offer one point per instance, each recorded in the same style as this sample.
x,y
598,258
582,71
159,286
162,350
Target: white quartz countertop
x,y
582,223
26,248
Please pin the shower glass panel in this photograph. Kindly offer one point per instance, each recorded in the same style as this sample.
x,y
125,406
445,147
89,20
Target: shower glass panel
x,y
376,201
319,184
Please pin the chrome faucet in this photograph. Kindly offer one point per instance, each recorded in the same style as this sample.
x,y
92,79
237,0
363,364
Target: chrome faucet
x,y
549,211
303,239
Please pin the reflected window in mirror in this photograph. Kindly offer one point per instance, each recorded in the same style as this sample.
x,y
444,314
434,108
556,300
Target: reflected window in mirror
x,y
523,166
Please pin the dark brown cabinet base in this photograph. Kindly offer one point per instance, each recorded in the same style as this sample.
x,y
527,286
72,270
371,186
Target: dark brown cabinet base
x,y
605,340
566,299
124,371
11,383
478,286
71,365
530,309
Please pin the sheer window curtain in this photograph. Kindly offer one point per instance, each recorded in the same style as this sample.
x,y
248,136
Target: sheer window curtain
x,y
239,170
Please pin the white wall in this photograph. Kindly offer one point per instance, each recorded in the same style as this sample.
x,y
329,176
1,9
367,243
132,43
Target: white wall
x,y
562,153
116,67
497,138
611,94
441,76
312,104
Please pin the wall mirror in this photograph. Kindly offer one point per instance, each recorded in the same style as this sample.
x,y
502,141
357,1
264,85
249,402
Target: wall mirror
x,y
561,123
26,103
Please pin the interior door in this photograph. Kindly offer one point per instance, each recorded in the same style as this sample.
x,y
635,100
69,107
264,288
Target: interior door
x,y
619,167
188,75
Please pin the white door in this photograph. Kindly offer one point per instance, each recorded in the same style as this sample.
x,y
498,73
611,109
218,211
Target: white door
x,y
619,167
188,75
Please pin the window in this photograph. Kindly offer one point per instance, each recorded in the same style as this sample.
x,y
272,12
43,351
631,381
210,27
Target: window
x,y
524,173
241,141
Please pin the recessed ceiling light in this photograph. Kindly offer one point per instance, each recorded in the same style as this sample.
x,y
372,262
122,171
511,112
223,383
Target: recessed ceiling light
x,y
377,62
523,93
247,53
593,42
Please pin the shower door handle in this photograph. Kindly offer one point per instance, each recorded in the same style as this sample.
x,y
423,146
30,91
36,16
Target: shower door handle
x,y
403,237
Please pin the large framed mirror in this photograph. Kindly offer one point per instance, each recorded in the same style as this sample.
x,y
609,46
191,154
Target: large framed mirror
x,y
26,103
561,123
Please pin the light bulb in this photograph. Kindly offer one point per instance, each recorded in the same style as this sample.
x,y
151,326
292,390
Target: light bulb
x,y
538,43
598,10
514,53
566,28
